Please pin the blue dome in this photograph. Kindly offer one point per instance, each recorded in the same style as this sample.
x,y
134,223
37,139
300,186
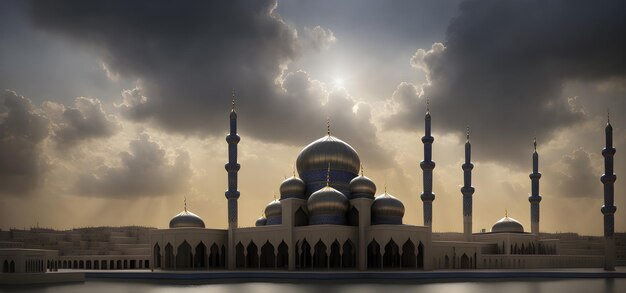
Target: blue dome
x,y
327,206
293,187
273,213
387,209
314,160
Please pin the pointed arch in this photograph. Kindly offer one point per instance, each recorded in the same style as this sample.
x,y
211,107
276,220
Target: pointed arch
x,y
268,259
252,257
409,259
373,255
300,218
446,262
335,255
465,261
214,256
353,216
240,259
5,266
199,258
222,263
184,259
12,267
169,256
420,255
348,257
391,258
157,255
306,258
320,257
282,260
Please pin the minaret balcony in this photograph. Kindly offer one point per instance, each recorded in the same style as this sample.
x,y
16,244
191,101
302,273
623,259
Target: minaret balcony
x,y
608,178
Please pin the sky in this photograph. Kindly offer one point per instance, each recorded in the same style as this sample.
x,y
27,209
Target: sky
x,y
112,112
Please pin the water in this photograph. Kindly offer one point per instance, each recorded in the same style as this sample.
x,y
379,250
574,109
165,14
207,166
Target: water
x,y
538,286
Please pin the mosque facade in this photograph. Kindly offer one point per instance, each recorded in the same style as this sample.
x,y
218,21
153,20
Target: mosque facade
x,y
331,216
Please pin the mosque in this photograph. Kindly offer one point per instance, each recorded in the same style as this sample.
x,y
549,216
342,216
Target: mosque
x,y
329,216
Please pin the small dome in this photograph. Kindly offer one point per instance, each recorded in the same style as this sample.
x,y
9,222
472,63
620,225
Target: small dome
x,y
327,206
260,221
362,187
273,213
387,209
507,225
293,187
186,219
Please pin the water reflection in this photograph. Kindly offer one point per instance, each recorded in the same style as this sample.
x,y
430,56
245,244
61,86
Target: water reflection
x,y
535,286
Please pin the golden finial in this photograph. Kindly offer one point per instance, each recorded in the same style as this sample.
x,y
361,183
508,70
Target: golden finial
x,y
467,133
233,102
185,199
328,176
506,213
535,143
328,125
427,105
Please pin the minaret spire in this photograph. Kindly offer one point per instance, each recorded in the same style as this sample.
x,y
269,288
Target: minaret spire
x,y
534,197
608,209
427,166
467,190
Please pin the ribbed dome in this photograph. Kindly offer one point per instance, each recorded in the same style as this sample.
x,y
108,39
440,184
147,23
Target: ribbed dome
x,y
293,187
362,187
387,209
327,206
260,221
273,213
314,160
186,219
507,224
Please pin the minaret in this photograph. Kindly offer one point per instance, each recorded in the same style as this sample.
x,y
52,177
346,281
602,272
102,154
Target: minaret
x,y
467,190
232,194
534,197
608,209
427,166
232,167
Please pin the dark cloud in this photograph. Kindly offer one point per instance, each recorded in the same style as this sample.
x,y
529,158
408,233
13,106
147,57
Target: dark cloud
x,y
576,177
22,131
188,56
85,120
502,67
145,170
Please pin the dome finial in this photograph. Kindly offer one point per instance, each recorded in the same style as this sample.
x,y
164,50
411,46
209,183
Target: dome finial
x,y
385,187
294,169
506,213
327,125
233,101
361,169
185,199
328,176
274,194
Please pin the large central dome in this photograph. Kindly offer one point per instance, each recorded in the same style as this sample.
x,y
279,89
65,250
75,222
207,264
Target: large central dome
x,y
313,162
